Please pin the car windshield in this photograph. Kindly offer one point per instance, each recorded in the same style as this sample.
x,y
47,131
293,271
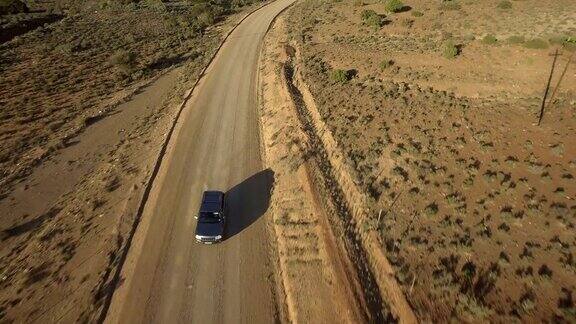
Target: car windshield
x,y
209,218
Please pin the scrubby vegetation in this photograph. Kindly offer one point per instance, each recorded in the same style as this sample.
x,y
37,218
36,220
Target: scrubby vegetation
x,y
75,65
472,201
102,47
340,76
386,64
450,50
489,39
198,14
371,18
394,5
124,60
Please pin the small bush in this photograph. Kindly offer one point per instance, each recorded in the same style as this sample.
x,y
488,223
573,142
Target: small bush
x,y
375,21
394,6
570,44
367,13
386,64
124,60
340,76
205,19
371,18
417,13
450,50
536,43
504,4
489,39
431,209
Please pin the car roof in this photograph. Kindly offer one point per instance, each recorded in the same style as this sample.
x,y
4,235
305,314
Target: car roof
x,y
212,196
212,202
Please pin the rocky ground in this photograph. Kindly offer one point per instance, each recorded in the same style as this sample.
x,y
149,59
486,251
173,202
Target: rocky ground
x,y
87,103
436,109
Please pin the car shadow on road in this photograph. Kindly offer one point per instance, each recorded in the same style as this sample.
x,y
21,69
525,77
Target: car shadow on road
x,y
247,201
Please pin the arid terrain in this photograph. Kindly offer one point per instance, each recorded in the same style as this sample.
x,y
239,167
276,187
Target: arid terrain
x,y
86,104
435,106
383,160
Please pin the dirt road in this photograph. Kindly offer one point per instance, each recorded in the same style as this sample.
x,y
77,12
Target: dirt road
x,y
169,278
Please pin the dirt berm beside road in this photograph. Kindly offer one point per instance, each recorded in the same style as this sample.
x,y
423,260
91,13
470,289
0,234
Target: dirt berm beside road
x,y
315,206
316,280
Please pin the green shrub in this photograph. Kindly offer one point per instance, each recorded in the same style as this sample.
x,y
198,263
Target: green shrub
x,y
504,4
570,44
205,19
489,39
417,13
371,18
375,21
206,14
340,76
394,6
386,64
431,209
450,50
367,13
124,60
536,43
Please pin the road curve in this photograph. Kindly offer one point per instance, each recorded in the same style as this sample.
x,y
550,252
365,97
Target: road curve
x,y
167,277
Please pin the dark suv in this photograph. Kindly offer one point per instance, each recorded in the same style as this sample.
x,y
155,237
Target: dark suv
x,y
211,218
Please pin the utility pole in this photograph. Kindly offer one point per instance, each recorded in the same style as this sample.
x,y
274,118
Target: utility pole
x,y
547,87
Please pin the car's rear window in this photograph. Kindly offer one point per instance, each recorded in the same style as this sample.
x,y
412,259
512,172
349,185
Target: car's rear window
x,y
209,218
